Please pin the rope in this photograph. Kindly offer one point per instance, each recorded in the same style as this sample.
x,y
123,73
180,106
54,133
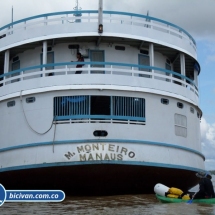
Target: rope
x,y
29,123
54,137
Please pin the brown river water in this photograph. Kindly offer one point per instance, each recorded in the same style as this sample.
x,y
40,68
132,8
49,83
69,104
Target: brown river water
x,y
107,205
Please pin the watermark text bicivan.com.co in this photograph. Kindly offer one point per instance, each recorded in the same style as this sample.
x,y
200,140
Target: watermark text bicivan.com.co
x,y
20,195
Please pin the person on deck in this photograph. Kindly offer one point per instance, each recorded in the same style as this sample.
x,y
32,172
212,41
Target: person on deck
x,y
80,59
206,189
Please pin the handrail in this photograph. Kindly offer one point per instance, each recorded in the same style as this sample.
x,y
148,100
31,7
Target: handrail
x,y
45,15
95,11
116,117
98,63
151,18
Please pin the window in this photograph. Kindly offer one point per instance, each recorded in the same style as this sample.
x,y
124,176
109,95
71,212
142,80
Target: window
x,y
71,106
168,62
11,103
121,48
144,60
74,46
30,99
191,109
165,101
167,67
15,58
128,106
15,65
180,105
180,125
99,107
146,52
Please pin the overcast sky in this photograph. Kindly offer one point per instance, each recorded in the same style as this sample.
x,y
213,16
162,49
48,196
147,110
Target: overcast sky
x,y
195,16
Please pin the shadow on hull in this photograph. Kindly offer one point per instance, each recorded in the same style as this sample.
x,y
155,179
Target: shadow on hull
x,y
103,179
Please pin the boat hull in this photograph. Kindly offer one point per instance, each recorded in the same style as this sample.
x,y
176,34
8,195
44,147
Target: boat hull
x,y
174,200
96,179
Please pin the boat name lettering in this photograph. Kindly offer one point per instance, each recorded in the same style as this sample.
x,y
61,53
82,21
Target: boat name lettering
x,y
100,151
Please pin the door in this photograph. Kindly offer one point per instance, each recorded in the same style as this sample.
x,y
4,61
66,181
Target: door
x,y
15,66
50,59
144,60
97,56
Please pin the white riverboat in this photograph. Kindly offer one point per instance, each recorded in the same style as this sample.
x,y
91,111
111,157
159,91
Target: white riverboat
x,y
129,120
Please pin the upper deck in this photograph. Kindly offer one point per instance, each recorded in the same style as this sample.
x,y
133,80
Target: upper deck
x,y
115,24
134,30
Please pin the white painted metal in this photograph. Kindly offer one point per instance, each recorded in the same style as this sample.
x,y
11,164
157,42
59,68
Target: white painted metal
x,y
44,53
182,61
100,14
6,61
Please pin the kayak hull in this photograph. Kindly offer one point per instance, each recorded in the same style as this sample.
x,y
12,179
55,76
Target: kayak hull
x,y
174,200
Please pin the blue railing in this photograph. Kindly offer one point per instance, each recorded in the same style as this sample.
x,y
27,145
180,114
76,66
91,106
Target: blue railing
x,y
12,24
151,18
145,17
138,67
100,117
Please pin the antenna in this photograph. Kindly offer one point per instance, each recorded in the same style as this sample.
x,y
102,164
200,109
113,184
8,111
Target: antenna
x,y
77,8
12,19
100,17
147,19
12,15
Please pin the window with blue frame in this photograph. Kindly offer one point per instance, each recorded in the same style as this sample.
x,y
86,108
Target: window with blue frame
x,y
99,107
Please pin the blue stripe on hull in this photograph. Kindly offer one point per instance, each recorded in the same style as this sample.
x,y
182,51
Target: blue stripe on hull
x,y
103,140
75,163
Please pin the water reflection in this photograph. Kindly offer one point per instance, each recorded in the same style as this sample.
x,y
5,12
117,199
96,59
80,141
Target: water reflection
x,y
126,204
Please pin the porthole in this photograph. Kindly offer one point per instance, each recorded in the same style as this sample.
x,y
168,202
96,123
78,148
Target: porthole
x,y
30,99
100,133
191,109
11,103
2,36
180,105
165,101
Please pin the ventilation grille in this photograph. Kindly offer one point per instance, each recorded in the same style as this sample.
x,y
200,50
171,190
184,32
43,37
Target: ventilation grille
x,y
180,125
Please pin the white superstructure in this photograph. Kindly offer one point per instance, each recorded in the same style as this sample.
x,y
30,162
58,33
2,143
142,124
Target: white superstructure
x,y
134,107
